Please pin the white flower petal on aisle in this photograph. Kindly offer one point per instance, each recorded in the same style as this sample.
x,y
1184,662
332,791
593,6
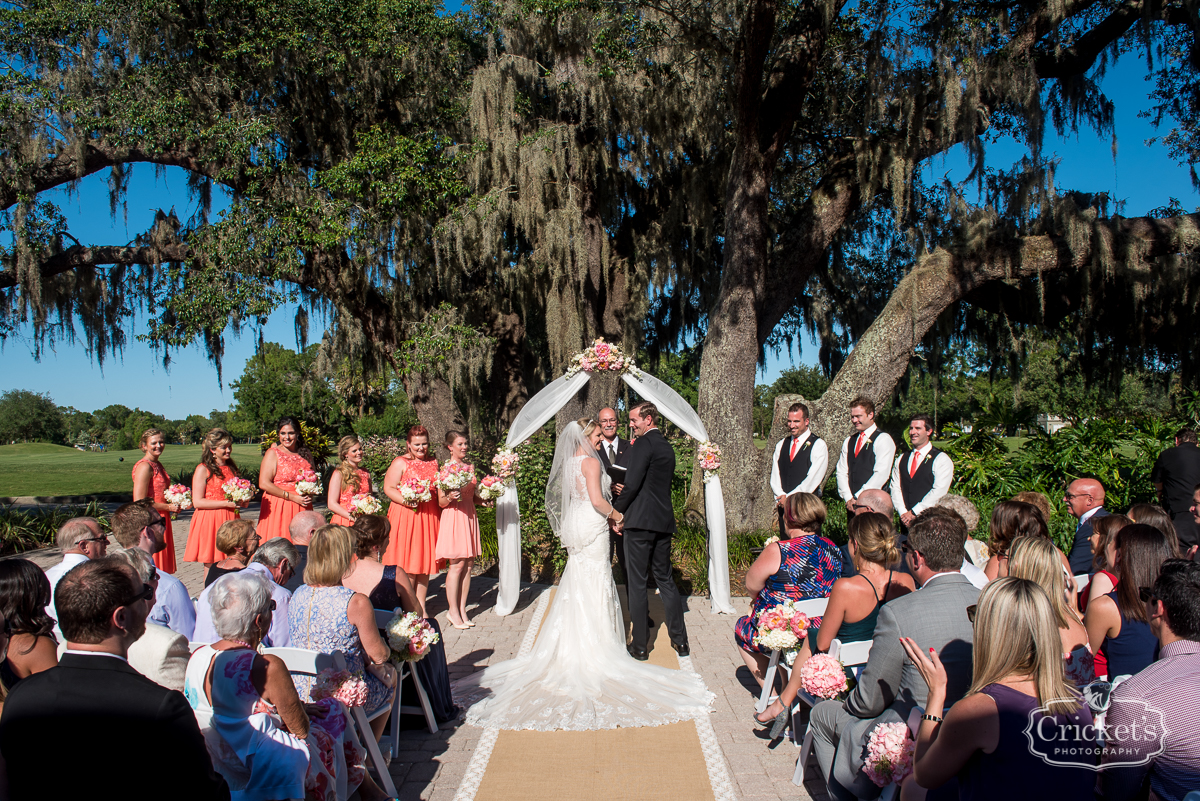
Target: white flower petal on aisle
x,y
544,405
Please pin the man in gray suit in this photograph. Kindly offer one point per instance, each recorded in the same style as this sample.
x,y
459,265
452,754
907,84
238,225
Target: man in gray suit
x,y
890,686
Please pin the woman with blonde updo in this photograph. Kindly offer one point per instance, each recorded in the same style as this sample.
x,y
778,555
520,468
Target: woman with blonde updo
x,y
212,509
347,481
854,602
150,480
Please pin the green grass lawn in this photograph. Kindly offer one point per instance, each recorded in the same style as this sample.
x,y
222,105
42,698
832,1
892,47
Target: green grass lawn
x,y
41,469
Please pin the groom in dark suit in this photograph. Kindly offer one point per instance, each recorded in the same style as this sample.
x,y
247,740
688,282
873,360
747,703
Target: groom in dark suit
x,y
648,527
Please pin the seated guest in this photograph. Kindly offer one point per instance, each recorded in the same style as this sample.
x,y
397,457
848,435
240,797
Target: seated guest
x,y
1037,500
1174,609
285,750
1012,519
801,567
102,611
1036,560
24,596
388,588
140,525
159,654
873,500
854,603
239,539
79,539
1104,547
1117,623
1016,675
273,560
1152,515
890,686
325,616
301,530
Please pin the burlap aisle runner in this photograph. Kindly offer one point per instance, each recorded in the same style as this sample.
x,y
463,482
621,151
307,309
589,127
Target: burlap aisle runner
x,y
678,761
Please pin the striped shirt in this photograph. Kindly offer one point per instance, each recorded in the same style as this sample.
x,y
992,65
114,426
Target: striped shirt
x,y
1171,686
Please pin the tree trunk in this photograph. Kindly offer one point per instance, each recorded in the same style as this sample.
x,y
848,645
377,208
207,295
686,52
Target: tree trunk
x,y
435,407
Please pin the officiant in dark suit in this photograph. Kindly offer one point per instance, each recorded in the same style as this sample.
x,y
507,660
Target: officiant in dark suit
x,y
612,452
648,528
93,696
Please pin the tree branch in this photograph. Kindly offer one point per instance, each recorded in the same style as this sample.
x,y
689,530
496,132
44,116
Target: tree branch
x,y
94,256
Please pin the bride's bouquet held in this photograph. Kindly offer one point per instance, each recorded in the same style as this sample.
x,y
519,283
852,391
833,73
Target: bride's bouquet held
x,y
409,636
309,483
454,476
491,488
414,490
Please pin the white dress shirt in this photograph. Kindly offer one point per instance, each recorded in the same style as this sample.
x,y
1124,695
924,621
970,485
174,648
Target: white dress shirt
x,y
819,462
885,451
55,574
974,574
943,474
278,636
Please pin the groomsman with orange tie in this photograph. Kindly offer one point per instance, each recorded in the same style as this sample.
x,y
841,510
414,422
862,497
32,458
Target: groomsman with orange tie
x,y
867,454
922,476
799,462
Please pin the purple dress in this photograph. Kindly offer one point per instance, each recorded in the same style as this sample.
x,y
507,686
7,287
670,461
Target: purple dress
x,y
808,566
1012,769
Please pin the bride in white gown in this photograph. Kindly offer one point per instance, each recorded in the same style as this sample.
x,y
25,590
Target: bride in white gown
x,y
579,675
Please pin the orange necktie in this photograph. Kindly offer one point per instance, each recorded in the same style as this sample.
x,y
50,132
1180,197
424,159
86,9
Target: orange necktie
x,y
795,447
859,444
913,464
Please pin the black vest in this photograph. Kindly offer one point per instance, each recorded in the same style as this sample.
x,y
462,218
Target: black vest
x,y
792,472
915,488
860,468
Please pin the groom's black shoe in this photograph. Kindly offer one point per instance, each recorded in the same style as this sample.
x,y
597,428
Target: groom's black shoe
x,y
681,648
639,654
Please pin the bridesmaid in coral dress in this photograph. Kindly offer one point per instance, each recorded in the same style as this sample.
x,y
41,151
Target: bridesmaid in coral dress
x,y
458,534
150,479
281,467
414,531
212,509
347,481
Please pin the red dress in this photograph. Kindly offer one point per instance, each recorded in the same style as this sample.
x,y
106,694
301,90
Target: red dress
x,y
415,531
202,536
159,480
364,485
277,513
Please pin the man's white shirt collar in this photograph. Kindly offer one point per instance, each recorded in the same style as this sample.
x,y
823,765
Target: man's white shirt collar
x,y
939,575
869,431
96,653
1086,516
924,449
803,436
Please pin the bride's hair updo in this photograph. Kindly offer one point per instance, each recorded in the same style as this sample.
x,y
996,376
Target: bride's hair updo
x,y
586,425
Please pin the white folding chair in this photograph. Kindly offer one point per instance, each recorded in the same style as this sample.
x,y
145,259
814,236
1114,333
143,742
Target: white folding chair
x,y
889,792
852,655
309,663
406,671
814,608
1081,581
193,647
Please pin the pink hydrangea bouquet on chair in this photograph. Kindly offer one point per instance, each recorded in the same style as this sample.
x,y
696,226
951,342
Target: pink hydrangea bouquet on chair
x,y
823,676
889,754
341,685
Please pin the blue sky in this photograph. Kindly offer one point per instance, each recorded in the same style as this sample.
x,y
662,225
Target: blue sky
x,y
1141,175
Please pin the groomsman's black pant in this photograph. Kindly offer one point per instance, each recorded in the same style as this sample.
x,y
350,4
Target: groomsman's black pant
x,y
649,552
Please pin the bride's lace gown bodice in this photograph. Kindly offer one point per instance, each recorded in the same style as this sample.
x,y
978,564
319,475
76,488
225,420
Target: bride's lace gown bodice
x,y
579,675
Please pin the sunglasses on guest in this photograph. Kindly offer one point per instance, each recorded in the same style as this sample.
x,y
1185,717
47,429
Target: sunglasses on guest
x,y
1147,595
146,594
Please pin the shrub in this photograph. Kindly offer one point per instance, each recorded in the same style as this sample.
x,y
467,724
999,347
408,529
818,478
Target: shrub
x,y
378,455
25,528
319,444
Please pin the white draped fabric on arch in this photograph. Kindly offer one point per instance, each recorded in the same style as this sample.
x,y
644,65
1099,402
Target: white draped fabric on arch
x,y
545,405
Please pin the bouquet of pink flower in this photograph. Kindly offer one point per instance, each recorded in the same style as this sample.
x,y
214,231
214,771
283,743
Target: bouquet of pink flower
x,y
409,636
889,754
238,490
600,356
824,676
781,628
709,454
491,488
454,476
505,463
309,483
178,494
342,685
364,503
414,490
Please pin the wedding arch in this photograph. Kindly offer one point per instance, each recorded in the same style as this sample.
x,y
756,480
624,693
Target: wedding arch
x,y
546,404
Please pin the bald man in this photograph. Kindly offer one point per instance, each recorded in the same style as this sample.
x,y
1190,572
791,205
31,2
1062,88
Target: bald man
x,y
874,500
1084,500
